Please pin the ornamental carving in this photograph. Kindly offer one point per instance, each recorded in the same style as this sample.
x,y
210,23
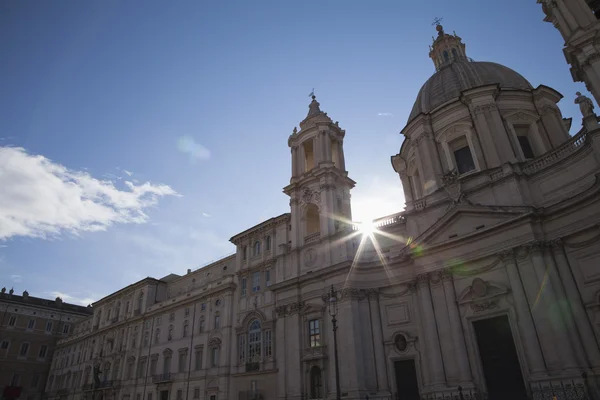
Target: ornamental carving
x,y
422,280
214,342
281,310
484,108
310,257
351,293
309,196
296,307
484,305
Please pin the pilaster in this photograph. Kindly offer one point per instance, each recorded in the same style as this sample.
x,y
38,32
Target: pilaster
x,y
379,353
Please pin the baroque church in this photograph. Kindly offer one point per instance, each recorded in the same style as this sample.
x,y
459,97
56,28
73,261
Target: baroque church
x,y
487,285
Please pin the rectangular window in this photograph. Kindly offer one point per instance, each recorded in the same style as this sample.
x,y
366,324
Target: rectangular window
x,y
242,348
138,396
314,333
43,351
203,307
16,380
179,394
12,321
24,350
256,282
66,329
149,396
268,278
35,381
198,359
4,345
142,369
197,393
31,324
172,317
187,311
268,347
182,358
158,321
215,357
49,326
217,321
244,286
213,397
526,147
153,364
462,155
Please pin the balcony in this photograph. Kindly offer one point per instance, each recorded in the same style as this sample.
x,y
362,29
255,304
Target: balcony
x,y
312,353
252,366
250,395
313,237
162,378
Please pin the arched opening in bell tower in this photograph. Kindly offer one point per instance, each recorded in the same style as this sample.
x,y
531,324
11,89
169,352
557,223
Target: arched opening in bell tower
x,y
309,155
313,222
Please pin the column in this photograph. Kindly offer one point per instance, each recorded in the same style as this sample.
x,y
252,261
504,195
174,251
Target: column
x,y
376,331
295,171
485,138
442,321
301,160
293,348
339,143
563,311
458,341
535,359
432,341
547,298
580,316
280,348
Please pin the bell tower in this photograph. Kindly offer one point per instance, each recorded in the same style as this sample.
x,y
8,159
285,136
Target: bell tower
x,y
319,188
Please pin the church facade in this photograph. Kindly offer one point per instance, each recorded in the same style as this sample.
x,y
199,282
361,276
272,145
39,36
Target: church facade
x,y
487,285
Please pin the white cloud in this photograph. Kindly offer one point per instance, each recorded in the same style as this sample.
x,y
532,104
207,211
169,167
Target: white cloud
x,y
44,199
385,114
128,172
16,278
84,301
207,215
187,145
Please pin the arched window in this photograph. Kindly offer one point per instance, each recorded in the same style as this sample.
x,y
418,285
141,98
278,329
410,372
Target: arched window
x,y
254,341
201,325
313,223
256,248
185,328
315,382
446,56
157,336
170,337
146,339
268,243
454,53
462,155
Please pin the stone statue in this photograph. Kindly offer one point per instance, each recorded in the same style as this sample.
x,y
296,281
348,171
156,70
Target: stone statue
x,y
585,105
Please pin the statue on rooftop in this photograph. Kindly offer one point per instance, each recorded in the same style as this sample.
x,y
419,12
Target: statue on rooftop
x,y
585,105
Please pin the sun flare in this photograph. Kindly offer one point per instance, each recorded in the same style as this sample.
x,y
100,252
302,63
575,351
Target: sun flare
x,y
367,228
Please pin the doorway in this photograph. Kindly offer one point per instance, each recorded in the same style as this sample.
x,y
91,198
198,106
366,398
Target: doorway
x,y
164,395
501,368
407,385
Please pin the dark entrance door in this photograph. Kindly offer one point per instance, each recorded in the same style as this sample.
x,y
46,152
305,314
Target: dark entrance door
x,y
406,380
164,395
501,366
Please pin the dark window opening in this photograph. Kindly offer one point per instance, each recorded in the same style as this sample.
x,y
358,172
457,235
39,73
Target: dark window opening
x,y
464,160
526,147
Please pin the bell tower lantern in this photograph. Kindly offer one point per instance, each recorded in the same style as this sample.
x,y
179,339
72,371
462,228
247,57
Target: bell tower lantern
x,y
319,188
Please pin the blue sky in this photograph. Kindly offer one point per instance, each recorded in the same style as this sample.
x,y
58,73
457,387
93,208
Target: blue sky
x,y
192,102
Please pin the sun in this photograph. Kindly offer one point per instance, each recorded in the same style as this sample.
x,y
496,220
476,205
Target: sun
x,y
367,228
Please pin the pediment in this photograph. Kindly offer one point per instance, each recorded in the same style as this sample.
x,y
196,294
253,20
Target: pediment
x,y
464,220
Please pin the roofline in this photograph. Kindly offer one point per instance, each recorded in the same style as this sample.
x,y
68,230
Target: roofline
x,y
270,220
22,302
150,279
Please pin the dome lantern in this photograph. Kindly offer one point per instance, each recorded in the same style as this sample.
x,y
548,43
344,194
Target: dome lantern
x,y
446,48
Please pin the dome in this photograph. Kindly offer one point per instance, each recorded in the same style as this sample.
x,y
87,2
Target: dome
x,y
452,79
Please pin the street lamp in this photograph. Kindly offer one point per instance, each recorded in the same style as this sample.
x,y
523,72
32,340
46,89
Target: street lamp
x,y
333,310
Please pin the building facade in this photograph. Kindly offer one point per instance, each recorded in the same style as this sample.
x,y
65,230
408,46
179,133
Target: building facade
x,y
487,285
29,331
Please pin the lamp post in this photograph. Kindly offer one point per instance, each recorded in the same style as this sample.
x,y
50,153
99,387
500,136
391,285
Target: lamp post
x,y
333,310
